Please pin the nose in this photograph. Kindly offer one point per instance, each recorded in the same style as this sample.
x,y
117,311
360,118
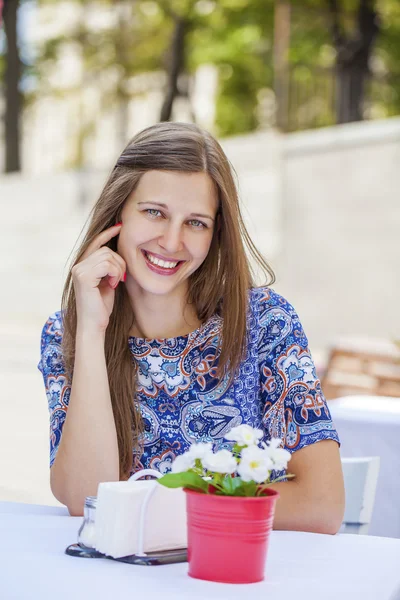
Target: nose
x,y
171,239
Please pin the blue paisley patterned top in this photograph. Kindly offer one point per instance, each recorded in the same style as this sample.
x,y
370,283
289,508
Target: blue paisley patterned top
x,y
183,402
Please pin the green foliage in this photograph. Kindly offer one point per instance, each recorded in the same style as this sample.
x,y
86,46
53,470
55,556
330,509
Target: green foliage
x,y
218,484
132,42
221,485
189,480
234,486
234,35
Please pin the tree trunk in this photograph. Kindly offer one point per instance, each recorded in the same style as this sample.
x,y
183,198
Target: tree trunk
x,y
350,92
13,96
352,59
281,62
124,18
176,63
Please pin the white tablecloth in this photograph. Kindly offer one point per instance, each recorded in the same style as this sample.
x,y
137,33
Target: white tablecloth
x,y
370,426
305,566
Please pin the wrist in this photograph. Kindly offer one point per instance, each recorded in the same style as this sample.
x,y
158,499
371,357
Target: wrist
x,y
92,333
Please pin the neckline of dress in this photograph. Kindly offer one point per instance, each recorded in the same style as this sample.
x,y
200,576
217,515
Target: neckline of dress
x,y
186,336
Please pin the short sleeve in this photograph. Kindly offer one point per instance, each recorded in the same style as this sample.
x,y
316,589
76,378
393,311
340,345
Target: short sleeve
x,y
56,382
294,407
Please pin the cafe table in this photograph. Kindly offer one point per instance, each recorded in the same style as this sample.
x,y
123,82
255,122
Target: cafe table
x,y
370,426
309,566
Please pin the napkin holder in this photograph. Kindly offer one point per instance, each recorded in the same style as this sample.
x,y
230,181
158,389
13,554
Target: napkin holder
x,y
116,532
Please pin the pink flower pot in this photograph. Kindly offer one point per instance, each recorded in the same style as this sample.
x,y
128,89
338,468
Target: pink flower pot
x,y
228,536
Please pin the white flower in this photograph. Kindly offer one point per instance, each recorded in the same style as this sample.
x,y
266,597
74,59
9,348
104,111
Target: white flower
x,y
279,456
182,463
273,443
220,462
199,450
244,435
255,464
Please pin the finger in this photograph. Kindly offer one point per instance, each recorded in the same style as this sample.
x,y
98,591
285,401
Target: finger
x,y
106,253
109,270
101,239
92,271
121,262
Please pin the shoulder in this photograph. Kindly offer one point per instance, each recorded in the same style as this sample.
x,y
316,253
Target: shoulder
x,y
265,298
52,330
51,356
56,379
276,318
265,301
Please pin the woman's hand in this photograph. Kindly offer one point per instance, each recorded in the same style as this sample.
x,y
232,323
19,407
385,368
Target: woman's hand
x,y
95,278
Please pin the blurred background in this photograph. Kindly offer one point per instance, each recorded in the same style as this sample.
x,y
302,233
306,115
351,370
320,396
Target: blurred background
x,y
305,99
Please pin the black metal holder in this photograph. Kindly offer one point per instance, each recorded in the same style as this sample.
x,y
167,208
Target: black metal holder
x,y
166,557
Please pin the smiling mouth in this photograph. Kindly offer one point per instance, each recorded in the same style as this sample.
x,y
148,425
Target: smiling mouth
x,y
161,266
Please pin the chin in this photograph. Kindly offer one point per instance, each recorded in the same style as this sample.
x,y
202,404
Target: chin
x,y
158,288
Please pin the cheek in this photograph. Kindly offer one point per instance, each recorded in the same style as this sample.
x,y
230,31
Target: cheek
x,y
126,243
200,247
131,236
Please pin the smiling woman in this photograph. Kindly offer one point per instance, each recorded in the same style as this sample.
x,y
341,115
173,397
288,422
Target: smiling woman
x,y
163,339
162,234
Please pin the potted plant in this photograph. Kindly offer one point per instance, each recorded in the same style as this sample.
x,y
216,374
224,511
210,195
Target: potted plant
x,y
230,507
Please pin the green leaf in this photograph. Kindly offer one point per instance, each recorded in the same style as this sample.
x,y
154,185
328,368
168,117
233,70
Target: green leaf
x,y
188,479
249,488
235,486
231,486
217,478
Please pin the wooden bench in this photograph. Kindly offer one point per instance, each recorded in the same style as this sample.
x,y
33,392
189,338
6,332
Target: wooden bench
x,y
362,367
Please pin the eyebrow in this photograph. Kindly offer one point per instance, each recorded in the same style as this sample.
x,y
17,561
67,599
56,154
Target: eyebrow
x,y
165,206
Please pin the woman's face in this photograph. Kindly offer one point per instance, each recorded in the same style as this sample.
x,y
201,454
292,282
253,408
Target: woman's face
x,y
167,228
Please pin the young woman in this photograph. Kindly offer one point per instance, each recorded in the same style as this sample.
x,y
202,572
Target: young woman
x,y
169,342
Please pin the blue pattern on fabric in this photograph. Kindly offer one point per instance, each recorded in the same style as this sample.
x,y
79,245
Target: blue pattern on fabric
x,y
181,399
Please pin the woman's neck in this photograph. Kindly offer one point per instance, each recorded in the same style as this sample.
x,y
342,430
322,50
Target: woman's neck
x,y
161,316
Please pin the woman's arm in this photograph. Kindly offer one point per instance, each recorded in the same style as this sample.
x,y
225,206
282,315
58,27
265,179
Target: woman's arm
x,y
314,500
88,450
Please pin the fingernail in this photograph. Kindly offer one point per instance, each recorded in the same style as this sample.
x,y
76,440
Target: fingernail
x,y
124,277
117,224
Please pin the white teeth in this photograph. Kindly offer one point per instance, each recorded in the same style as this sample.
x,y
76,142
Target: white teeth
x,y
161,263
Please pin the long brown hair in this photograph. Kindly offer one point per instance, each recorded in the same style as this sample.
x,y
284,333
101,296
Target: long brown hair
x,y
219,286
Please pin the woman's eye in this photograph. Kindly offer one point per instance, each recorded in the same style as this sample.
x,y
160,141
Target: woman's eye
x,y
153,212
197,224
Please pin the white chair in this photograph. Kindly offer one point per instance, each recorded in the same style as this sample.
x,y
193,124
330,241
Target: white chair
x,y
360,480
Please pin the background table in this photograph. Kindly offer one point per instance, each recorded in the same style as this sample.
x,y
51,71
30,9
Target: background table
x,y
33,566
370,426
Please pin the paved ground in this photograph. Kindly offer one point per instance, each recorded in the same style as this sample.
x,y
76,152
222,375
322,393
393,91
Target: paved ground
x,y
34,247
